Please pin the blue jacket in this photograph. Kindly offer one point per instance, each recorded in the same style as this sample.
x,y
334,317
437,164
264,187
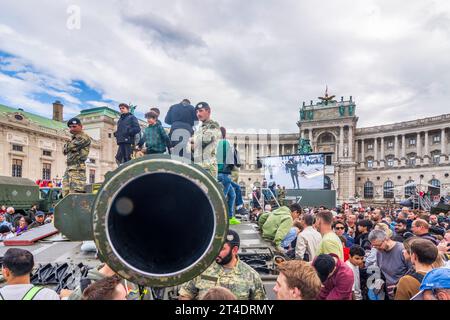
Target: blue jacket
x,y
127,128
180,116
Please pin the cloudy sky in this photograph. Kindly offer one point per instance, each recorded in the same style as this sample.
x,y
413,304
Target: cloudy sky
x,y
253,61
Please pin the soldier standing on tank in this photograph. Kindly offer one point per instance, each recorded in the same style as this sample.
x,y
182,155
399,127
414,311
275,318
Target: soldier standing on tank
x,y
205,140
76,151
227,272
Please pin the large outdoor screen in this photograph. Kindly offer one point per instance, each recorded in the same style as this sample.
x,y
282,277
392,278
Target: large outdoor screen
x,y
295,171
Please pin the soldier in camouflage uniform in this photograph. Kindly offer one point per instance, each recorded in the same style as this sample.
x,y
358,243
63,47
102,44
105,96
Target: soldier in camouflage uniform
x,y
228,272
77,151
205,140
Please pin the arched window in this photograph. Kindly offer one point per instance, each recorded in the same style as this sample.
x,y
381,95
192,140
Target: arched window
x,y
388,190
435,190
327,183
368,190
326,138
410,188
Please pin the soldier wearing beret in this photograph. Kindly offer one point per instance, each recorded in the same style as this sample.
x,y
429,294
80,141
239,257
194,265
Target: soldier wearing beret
x,y
227,272
205,140
76,151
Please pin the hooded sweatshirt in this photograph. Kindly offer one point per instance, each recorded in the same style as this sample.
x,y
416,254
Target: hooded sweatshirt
x,y
277,225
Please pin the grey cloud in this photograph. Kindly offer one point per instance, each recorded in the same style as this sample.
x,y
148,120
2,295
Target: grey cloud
x,y
163,31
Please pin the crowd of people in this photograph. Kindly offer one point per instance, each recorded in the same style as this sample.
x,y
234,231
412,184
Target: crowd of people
x,y
13,224
364,254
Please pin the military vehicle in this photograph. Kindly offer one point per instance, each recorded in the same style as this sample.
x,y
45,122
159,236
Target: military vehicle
x,y
155,221
22,194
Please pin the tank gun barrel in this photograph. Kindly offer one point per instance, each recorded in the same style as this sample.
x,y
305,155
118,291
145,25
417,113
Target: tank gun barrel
x,y
155,221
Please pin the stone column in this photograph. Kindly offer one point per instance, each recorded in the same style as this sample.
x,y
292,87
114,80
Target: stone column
x,y
302,134
403,159
363,158
418,148
396,161
282,149
355,158
382,160
426,151
443,142
350,142
375,150
443,146
311,138
341,142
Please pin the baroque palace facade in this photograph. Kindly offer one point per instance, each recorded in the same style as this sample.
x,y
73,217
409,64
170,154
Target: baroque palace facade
x,y
371,164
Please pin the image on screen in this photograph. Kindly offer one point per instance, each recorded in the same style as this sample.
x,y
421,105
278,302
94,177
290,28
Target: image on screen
x,y
295,171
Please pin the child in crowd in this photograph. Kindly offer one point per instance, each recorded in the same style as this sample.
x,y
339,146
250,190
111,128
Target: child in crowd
x,y
155,138
356,262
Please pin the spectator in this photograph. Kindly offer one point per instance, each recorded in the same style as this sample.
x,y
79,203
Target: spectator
x,y
225,162
364,227
276,225
32,211
16,269
39,220
336,277
330,242
181,117
351,223
3,221
377,215
155,137
423,254
434,220
109,288
23,225
127,128
267,208
341,229
346,250
308,240
401,232
390,259
5,232
355,263
421,229
219,293
297,280
435,285
11,216
227,271
289,242
3,209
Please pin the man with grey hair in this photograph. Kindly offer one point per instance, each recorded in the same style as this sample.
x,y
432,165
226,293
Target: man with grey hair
x,y
11,216
390,259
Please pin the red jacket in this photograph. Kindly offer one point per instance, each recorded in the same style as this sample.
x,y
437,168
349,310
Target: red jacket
x,y
339,285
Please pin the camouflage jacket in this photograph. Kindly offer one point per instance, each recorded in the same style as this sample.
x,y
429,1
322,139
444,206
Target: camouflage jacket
x,y
77,150
242,280
205,140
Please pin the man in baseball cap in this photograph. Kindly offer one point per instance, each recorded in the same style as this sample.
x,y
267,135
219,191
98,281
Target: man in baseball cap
x,y
435,285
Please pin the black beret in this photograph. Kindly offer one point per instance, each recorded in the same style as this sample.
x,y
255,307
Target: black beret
x,y
201,105
73,121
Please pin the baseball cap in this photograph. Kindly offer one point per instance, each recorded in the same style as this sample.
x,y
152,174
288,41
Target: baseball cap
x,y
201,105
73,121
233,238
435,279
39,213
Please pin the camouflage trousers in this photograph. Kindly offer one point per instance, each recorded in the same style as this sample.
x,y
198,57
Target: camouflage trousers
x,y
74,181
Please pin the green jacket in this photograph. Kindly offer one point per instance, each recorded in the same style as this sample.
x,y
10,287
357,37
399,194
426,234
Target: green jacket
x,y
277,225
155,138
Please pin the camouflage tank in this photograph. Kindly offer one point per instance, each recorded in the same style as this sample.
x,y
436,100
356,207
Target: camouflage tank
x,y
155,221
